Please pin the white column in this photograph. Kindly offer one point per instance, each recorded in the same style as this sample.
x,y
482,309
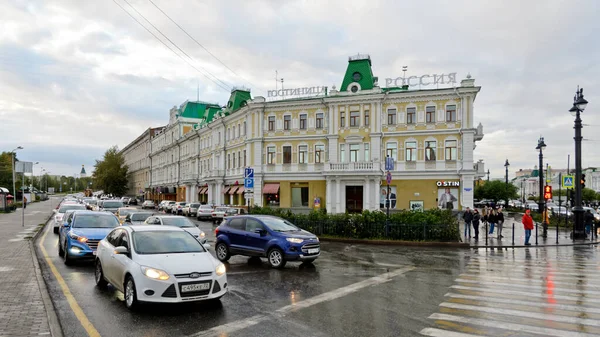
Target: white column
x,y
328,196
338,201
467,189
367,194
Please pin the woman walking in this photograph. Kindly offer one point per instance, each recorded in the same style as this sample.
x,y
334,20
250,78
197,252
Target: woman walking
x,y
500,222
492,217
528,225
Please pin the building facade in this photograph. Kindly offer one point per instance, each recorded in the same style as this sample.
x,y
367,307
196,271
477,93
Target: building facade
x,y
324,152
136,156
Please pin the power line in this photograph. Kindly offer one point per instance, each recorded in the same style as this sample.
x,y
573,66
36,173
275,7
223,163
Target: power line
x,y
176,46
198,43
171,49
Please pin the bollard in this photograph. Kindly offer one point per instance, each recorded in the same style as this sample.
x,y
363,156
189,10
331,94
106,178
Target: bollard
x,y
557,232
536,234
486,234
513,235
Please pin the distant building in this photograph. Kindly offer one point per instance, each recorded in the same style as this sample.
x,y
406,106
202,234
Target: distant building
x,y
136,156
82,174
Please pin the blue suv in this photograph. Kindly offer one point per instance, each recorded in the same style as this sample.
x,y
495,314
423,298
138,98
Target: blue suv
x,y
265,236
79,236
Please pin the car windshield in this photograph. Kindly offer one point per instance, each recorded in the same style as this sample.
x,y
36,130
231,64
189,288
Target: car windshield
x,y
112,204
92,202
279,225
221,209
182,203
177,221
165,242
171,203
125,211
194,205
70,207
231,211
95,221
140,216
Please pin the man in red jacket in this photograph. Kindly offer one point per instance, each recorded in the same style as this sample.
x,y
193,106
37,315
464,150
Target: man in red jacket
x,y
528,225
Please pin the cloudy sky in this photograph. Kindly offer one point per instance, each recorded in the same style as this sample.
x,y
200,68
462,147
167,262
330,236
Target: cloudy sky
x,y
78,76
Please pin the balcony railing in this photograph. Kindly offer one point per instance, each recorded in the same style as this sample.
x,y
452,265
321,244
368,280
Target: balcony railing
x,y
351,167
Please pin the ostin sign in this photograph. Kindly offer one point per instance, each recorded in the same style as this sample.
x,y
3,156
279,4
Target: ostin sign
x,y
447,183
425,80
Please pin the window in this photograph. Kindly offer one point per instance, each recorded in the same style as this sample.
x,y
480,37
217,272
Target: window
x,y
430,147
244,158
342,119
411,115
239,134
299,196
219,139
271,123
228,134
319,153
239,159
354,148
303,122
233,130
451,150
367,154
451,113
391,150
367,121
252,225
287,121
430,114
237,223
342,153
354,118
287,154
319,121
411,151
228,161
244,128
233,166
391,113
271,155
302,154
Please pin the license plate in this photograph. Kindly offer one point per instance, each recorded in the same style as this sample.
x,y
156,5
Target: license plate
x,y
194,287
313,251
94,252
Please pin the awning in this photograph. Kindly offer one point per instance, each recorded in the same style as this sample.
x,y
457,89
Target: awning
x,y
240,190
201,191
271,188
225,189
233,189
206,190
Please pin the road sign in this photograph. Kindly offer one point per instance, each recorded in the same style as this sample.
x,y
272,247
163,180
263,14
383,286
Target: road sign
x,y
388,177
248,172
24,167
389,164
567,181
249,195
248,183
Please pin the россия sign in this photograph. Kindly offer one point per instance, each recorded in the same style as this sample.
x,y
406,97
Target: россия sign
x,y
413,81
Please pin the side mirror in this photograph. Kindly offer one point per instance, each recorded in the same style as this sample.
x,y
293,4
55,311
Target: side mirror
x,y
206,246
261,232
55,211
127,219
121,250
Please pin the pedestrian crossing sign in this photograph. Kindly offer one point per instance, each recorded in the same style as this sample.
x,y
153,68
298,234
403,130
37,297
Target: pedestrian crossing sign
x,y
567,181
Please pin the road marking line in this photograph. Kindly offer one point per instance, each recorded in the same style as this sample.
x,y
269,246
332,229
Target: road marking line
x,y
569,281
520,272
520,313
525,287
507,326
523,293
445,333
564,307
232,327
85,322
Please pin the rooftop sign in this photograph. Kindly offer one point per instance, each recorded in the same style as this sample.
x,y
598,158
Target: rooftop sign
x,y
307,91
423,80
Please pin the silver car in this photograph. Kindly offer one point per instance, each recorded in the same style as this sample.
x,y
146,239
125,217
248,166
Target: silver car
x,y
191,209
136,218
177,221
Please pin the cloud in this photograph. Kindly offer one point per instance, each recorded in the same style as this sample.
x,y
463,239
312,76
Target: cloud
x,y
84,75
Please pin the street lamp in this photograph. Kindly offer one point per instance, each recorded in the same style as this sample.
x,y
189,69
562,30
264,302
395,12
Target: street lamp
x,y
540,147
506,164
488,174
13,152
579,104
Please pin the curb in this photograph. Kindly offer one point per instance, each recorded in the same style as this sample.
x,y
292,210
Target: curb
x,y
399,243
538,246
53,322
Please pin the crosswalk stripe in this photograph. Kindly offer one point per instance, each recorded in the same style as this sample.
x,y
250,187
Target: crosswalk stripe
x,y
508,326
522,293
520,313
570,262
592,269
570,281
472,270
545,288
445,333
525,303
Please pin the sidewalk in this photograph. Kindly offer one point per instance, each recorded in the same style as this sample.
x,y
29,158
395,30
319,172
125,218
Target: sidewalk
x,y
564,236
22,293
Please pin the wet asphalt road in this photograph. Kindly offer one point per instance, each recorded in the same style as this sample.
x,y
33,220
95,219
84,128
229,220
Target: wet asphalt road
x,y
347,292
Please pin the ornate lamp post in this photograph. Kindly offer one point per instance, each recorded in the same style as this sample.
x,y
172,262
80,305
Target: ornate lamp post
x,y
13,171
579,104
540,147
506,165
488,174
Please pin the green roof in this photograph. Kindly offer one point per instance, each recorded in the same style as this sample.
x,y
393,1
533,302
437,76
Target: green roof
x,y
359,71
237,100
194,109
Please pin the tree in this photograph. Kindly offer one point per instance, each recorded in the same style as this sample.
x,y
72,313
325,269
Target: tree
x,y
6,170
110,174
496,190
588,195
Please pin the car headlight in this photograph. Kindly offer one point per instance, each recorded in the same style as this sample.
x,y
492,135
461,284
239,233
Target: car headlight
x,y
220,270
77,237
155,274
295,240
202,235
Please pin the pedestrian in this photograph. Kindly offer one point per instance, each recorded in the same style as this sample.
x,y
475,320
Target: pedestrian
x,y
468,217
24,202
588,219
492,217
500,222
476,218
484,217
527,221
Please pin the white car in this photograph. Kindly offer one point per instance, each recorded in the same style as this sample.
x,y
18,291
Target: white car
x,y
177,221
58,214
204,212
158,264
219,214
177,208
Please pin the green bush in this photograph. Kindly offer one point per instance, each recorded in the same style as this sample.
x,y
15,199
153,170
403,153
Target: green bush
x,y
430,225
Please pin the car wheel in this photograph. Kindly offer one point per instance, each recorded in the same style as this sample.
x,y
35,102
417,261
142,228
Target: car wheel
x,y
61,251
66,258
99,275
222,252
276,259
131,301
55,230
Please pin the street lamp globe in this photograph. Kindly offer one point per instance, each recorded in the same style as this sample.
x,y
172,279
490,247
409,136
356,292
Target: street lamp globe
x,y
541,145
573,110
581,102
506,164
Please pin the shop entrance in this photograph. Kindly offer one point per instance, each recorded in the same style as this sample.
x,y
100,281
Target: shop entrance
x,y
354,199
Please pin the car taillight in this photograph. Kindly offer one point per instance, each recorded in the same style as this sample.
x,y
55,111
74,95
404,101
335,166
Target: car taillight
x,y
216,231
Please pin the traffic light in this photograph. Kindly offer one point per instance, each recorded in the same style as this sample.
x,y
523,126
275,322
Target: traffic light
x,y
571,197
547,192
582,181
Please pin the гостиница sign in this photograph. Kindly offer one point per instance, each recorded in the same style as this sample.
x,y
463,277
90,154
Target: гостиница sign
x,y
307,91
